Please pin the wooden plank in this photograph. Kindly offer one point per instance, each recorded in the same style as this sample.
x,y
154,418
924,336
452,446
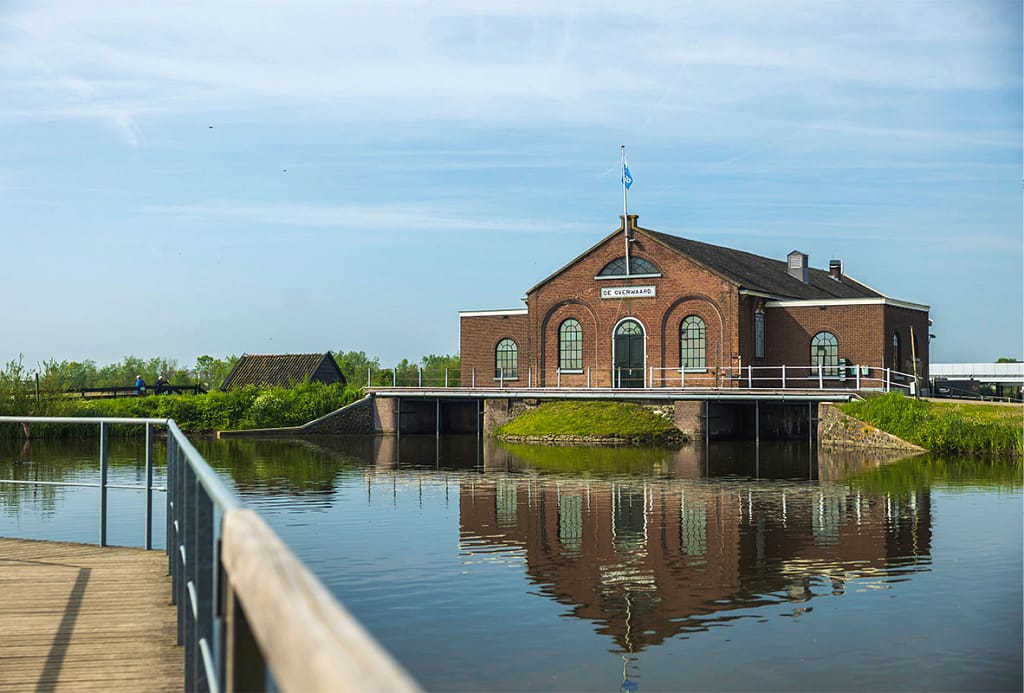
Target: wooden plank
x,y
83,618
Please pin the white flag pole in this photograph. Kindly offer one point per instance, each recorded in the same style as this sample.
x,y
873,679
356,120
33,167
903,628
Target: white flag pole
x,y
625,208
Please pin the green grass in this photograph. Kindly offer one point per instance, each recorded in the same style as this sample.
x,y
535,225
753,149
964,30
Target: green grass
x,y
948,427
590,419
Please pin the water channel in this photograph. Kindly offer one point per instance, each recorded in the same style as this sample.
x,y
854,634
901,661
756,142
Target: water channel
x,y
730,567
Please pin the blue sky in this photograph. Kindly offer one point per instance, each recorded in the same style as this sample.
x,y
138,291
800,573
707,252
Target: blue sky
x,y
189,178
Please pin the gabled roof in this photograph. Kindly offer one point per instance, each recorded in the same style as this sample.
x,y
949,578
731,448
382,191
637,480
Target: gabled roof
x,y
282,370
745,270
762,274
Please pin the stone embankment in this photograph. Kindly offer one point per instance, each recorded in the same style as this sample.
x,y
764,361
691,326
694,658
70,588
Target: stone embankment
x,y
355,418
671,439
842,430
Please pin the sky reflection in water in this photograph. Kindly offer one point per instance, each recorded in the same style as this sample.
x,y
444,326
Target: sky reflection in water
x,y
729,568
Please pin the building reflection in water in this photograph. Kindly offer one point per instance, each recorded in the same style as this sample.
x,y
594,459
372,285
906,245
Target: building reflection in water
x,y
651,558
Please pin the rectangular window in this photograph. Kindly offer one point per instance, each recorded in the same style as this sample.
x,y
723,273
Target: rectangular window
x,y
759,334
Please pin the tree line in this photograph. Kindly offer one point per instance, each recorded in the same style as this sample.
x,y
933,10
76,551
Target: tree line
x,y
209,372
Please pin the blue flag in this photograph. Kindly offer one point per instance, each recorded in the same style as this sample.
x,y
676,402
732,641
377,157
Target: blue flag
x,y
627,177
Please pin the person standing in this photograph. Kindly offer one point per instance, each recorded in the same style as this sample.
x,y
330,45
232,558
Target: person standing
x,y
140,385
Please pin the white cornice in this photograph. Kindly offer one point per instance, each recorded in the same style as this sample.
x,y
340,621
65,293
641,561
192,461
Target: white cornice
x,y
492,313
845,302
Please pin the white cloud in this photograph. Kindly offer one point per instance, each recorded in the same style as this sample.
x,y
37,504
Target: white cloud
x,y
403,59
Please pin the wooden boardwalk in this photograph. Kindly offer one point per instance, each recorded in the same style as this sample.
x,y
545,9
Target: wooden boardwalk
x,y
79,617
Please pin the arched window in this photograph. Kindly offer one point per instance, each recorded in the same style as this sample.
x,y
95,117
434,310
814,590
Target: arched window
x,y
897,353
825,353
637,265
570,346
693,343
506,360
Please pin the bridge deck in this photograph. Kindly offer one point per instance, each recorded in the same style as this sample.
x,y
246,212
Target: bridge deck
x,y
81,617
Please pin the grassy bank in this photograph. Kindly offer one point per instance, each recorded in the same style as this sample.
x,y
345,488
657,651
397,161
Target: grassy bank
x,y
947,427
590,420
246,408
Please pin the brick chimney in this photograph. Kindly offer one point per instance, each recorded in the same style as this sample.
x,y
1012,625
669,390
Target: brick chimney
x,y
835,269
796,264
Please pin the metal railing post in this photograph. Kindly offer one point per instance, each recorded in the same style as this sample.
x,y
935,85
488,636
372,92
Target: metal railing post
x,y
187,591
821,376
446,378
888,382
783,376
394,377
501,378
682,376
474,377
149,487
104,446
204,586
419,370
529,376
368,369
857,373
558,377
750,376
588,377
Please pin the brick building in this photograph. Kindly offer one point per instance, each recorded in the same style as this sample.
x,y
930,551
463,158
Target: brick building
x,y
663,311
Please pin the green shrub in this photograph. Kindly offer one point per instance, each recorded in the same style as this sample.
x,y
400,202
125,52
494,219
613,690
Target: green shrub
x,y
248,407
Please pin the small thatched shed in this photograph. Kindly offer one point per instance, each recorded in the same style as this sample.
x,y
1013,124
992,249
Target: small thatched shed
x,y
282,370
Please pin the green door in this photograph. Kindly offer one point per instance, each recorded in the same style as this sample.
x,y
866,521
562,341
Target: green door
x,y
629,355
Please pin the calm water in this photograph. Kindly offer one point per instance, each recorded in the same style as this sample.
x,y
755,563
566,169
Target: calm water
x,y
524,568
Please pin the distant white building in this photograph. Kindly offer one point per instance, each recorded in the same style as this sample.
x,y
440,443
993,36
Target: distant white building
x,y
977,379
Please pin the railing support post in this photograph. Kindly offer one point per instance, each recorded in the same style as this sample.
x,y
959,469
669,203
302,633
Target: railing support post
x,y
149,487
104,445
888,382
446,378
750,376
857,373
783,376
821,376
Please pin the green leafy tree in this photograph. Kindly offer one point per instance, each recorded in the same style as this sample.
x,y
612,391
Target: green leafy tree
x,y
17,390
354,366
210,372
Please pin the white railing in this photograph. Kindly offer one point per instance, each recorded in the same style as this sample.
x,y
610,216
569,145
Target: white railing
x,y
781,377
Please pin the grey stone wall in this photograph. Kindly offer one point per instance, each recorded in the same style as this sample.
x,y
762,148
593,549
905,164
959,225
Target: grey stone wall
x,y
357,417
838,429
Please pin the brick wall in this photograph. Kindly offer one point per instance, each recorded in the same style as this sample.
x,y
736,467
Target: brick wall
x,y
479,337
684,288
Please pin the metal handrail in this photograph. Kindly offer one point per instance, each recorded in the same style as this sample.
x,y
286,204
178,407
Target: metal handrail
x,y
775,377
212,601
